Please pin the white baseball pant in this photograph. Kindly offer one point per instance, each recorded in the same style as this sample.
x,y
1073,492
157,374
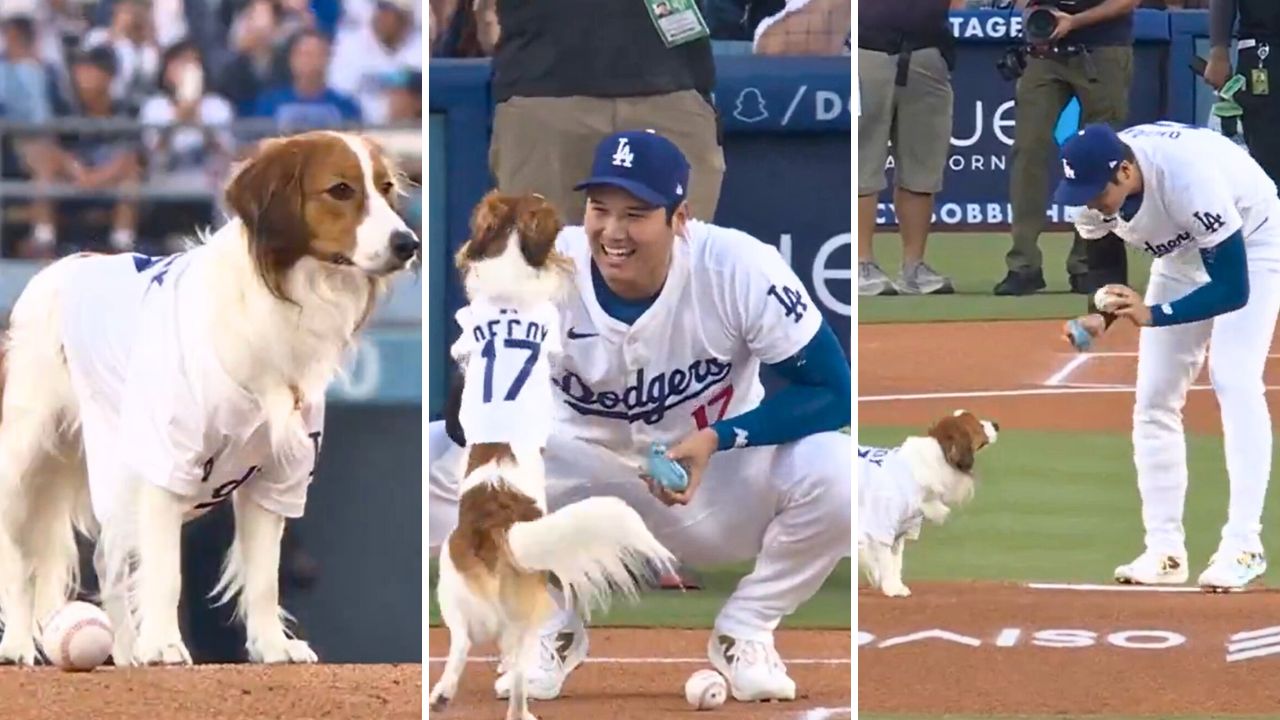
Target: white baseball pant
x,y
788,507
1169,359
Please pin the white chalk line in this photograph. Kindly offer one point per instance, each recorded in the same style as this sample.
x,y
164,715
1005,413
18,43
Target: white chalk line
x,y
1072,364
1073,389
1115,588
825,713
661,661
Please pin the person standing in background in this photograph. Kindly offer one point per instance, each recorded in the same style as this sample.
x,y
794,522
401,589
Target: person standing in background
x,y
568,73
1089,55
1256,58
905,55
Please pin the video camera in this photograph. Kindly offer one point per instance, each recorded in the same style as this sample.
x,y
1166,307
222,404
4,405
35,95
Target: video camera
x,y
1037,29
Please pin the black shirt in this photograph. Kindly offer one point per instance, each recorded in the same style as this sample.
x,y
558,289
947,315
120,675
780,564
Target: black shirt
x,y
596,48
1118,31
909,17
1259,19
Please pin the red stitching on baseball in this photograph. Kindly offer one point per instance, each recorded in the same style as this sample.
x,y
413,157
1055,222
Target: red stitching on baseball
x,y
71,631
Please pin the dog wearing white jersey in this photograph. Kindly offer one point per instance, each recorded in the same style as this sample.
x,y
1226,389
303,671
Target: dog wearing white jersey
x,y
141,392
924,478
496,562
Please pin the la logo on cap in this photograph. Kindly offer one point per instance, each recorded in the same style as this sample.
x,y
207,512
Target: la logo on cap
x,y
1067,170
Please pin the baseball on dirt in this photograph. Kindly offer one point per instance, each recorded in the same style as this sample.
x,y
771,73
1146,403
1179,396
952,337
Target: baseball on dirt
x,y
705,689
77,636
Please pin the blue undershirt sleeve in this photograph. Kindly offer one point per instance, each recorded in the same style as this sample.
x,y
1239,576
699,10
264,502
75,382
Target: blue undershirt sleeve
x,y
1226,291
818,398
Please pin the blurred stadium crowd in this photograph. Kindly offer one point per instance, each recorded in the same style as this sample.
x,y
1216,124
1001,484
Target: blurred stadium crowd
x,y
119,119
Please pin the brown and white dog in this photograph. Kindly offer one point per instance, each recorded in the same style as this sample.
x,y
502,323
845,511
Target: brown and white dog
x,y
495,565
241,334
921,479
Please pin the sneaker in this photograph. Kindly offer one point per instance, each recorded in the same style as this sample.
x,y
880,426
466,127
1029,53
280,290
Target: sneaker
x,y
920,279
753,668
559,653
1020,283
1232,570
873,281
1152,568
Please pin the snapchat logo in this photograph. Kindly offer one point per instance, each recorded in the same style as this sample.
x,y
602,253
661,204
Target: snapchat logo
x,y
750,106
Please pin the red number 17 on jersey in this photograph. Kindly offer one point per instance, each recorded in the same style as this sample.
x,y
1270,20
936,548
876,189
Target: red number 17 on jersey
x,y
720,399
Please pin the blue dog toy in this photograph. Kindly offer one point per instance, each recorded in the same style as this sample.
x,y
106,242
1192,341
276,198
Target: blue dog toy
x,y
669,473
1080,337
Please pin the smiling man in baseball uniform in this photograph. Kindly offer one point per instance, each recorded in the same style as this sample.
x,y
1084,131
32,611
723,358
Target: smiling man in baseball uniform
x,y
1210,216
666,330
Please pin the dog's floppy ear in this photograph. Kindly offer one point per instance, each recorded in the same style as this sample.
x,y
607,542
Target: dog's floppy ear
x,y
489,217
957,446
268,196
539,224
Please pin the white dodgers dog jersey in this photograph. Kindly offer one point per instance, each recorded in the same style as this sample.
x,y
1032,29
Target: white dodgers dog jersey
x,y
888,496
507,355
156,405
730,302
1199,187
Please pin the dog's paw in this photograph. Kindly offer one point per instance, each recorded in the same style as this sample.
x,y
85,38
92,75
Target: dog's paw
x,y
281,650
896,589
163,651
439,699
18,651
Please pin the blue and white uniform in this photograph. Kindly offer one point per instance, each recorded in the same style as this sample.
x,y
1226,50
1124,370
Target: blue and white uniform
x,y
1210,217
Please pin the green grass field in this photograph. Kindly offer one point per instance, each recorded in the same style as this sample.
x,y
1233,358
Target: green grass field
x,y
976,263
1050,506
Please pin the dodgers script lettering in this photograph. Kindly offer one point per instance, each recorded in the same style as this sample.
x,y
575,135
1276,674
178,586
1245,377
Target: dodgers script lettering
x,y
646,398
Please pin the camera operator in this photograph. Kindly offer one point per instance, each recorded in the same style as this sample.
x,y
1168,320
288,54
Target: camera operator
x,y
1256,57
1072,47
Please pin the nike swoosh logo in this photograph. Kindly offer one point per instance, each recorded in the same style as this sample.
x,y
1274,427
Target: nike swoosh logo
x,y
575,335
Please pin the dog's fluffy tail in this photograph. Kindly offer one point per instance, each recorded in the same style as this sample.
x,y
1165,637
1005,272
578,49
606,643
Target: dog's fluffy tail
x,y
594,547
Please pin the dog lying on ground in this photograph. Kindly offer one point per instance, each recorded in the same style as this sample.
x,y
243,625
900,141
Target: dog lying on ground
x,y
921,479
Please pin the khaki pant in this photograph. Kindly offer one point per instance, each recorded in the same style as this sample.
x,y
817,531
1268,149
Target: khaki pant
x,y
1042,93
916,118
545,145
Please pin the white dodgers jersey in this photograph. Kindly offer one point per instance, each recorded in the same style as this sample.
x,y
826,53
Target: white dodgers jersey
x,y
730,303
888,496
507,355
1199,187
156,406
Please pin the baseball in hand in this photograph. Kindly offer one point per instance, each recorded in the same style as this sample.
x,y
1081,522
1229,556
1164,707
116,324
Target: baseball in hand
x,y
705,690
77,636
1107,299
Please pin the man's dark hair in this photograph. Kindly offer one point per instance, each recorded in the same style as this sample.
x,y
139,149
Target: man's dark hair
x,y
24,26
1129,157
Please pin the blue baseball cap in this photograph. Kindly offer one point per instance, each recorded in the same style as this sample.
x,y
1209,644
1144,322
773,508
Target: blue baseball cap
x,y
643,163
1089,161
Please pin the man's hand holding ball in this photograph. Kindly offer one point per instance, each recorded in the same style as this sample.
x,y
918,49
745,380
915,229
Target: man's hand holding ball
x,y
1125,302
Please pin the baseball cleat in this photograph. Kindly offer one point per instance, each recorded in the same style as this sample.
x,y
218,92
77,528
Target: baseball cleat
x,y
559,653
1152,568
1232,571
753,668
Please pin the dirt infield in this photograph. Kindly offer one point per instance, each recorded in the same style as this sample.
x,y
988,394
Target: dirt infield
x,y
991,649
215,692
996,649
640,673
1020,373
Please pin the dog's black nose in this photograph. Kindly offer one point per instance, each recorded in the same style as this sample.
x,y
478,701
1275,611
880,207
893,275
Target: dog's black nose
x,y
995,426
404,245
